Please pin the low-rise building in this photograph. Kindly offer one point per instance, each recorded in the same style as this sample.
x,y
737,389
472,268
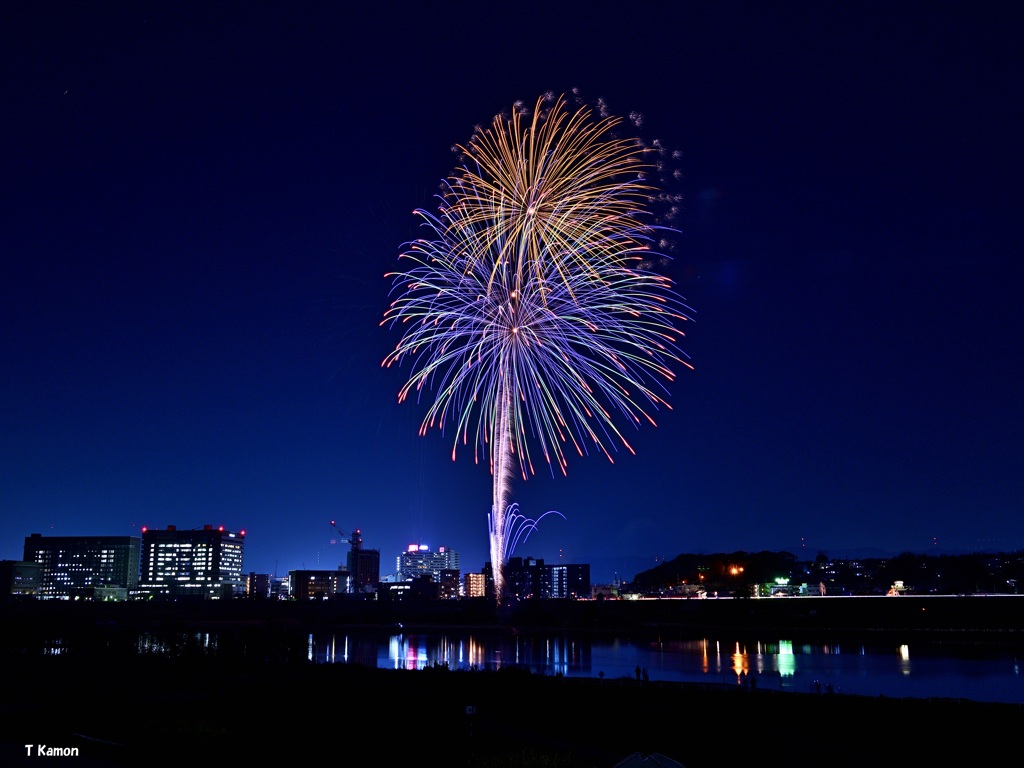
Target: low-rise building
x,y
84,567
19,579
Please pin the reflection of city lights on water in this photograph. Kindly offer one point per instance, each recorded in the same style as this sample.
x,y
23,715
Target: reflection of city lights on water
x,y
408,653
904,659
558,655
417,656
320,649
787,659
740,663
411,656
55,648
174,644
394,650
475,654
767,664
718,656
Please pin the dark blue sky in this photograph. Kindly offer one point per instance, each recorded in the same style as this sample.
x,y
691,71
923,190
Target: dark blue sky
x,y
200,201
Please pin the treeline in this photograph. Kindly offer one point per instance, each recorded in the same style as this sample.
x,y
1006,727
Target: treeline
x,y
740,573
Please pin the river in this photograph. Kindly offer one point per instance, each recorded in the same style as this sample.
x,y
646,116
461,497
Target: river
x,y
921,670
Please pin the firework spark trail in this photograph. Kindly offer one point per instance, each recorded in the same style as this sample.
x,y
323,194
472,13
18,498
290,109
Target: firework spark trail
x,y
529,310
560,189
501,475
519,527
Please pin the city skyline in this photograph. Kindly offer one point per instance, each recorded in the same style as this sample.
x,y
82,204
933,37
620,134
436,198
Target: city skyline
x,y
201,205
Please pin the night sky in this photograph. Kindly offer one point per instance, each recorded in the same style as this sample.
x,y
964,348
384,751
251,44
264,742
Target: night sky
x,y
200,202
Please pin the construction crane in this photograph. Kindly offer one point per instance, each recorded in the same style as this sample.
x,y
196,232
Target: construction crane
x,y
355,538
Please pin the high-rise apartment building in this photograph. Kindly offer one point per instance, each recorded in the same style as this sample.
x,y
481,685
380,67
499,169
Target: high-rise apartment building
x,y
475,585
527,577
201,563
91,567
571,581
257,586
450,558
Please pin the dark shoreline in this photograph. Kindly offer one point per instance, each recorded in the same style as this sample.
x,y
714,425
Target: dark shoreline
x,y
995,618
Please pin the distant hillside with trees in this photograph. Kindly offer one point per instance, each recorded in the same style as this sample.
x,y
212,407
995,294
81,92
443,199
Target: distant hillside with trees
x,y
741,573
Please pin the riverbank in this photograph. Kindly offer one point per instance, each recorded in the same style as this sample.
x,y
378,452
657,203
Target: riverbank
x,y
207,711
994,618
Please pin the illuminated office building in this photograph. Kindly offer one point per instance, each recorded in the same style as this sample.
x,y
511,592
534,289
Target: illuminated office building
x,y
89,567
419,561
197,563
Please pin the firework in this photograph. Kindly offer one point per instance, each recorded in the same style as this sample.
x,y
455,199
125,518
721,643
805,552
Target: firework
x,y
518,528
563,187
529,311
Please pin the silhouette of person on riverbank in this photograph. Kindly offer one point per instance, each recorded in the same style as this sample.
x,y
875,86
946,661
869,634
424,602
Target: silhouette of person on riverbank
x,y
638,673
